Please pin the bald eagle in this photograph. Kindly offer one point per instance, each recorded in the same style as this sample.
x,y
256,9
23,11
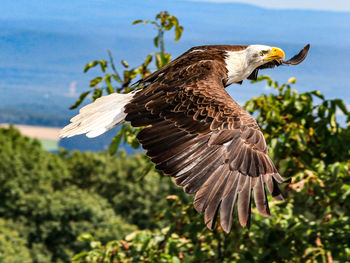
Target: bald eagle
x,y
195,132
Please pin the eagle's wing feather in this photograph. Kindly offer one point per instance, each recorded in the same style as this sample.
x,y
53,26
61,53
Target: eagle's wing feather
x,y
254,75
199,135
298,58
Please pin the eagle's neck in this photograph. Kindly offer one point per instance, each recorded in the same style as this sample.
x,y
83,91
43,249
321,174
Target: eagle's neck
x,y
238,66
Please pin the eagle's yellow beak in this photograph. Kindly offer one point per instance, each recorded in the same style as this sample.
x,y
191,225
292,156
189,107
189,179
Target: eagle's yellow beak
x,y
275,53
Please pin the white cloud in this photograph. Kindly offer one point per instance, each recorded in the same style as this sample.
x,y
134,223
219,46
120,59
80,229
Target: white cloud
x,y
327,5
72,93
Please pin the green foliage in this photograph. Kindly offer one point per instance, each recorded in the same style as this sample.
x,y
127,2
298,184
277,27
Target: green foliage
x,y
51,199
139,246
164,22
50,204
130,184
13,247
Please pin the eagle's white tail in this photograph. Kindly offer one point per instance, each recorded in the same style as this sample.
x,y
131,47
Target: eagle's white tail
x,y
98,117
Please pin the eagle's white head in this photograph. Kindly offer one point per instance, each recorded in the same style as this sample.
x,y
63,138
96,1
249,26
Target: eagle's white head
x,y
240,64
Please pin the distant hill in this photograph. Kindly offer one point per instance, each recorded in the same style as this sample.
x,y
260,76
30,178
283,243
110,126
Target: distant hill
x,y
100,143
32,117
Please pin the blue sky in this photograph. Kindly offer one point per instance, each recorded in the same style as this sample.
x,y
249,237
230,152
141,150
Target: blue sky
x,y
70,10
328,5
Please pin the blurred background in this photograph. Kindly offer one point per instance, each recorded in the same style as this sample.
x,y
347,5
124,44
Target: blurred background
x,y
52,195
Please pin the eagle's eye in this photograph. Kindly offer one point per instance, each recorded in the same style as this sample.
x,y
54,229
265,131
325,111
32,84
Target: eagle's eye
x,y
263,52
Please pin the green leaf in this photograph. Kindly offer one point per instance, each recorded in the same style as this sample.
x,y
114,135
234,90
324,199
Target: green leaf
x,y
137,22
158,60
110,88
80,100
333,122
113,147
90,65
103,64
178,32
95,81
133,73
79,256
155,23
317,94
341,105
156,41
321,111
97,94
335,169
169,26
148,60
292,80
261,78
124,63
135,144
165,59
174,21
86,237
95,244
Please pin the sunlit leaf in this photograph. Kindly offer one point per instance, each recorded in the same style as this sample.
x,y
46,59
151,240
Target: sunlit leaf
x,y
95,81
158,61
90,65
317,94
261,78
178,32
125,64
85,237
292,80
148,60
110,88
137,22
103,65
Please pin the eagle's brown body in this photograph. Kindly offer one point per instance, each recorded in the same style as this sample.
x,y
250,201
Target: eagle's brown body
x,y
195,132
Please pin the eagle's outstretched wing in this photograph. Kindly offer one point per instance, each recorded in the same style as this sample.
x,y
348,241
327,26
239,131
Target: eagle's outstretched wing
x,y
196,133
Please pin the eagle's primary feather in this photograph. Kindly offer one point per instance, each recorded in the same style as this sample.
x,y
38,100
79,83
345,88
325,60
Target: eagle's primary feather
x,y
196,133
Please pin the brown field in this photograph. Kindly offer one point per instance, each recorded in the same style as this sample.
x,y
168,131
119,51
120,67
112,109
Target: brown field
x,y
38,132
